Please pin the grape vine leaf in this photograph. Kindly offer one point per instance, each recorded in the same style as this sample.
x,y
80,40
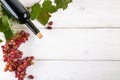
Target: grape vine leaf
x,y
1,40
48,7
4,12
35,11
62,3
44,17
43,11
5,27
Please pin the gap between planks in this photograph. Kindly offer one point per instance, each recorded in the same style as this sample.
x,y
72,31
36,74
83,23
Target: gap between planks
x,y
67,60
78,28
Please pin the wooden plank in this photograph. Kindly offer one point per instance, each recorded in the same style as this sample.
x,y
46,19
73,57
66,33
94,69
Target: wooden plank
x,y
86,13
73,70
74,44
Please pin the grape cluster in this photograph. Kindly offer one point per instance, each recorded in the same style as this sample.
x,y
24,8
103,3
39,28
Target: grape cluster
x,y
13,56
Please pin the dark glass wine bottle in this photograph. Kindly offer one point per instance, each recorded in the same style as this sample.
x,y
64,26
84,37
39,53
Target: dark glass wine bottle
x,y
17,10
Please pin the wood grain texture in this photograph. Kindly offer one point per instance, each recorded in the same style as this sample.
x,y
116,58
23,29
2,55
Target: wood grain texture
x,y
65,70
74,44
83,45
86,13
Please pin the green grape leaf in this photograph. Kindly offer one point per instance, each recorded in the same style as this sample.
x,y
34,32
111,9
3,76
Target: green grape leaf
x,y
43,11
62,3
5,27
35,11
4,12
48,7
1,40
44,17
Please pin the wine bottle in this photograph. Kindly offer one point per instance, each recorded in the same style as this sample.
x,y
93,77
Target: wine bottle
x,y
17,10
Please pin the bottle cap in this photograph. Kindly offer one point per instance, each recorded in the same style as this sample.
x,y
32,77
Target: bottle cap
x,y
39,35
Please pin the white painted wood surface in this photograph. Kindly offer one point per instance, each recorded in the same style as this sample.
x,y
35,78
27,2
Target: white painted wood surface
x,y
84,44
70,70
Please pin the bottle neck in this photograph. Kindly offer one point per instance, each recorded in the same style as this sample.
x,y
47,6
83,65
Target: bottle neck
x,y
32,27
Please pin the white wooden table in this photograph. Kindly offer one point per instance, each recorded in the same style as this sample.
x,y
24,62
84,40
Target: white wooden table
x,y
84,44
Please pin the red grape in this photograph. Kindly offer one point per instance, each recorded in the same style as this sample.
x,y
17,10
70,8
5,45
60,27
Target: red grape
x,y
31,76
13,56
49,27
50,23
